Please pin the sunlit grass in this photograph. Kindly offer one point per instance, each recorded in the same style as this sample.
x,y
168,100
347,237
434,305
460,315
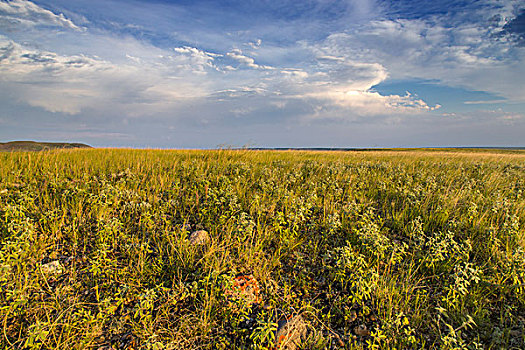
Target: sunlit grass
x,y
424,248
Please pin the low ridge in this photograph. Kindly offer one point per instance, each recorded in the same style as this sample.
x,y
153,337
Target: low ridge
x,y
38,146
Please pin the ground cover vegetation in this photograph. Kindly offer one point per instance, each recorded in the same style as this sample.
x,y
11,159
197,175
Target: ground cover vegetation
x,y
376,250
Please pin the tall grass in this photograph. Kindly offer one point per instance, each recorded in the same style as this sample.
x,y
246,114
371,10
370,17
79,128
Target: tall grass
x,y
425,249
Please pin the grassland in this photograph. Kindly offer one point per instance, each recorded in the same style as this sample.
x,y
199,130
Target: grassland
x,y
376,250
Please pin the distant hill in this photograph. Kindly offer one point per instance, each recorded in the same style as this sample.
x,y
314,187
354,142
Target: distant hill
x,y
38,146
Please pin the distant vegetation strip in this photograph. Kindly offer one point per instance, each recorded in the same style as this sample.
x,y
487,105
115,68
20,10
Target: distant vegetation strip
x,y
38,146
425,149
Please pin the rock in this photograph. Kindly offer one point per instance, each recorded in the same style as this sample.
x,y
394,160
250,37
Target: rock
x,y
290,333
5,190
245,288
199,237
516,333
52,268
362,330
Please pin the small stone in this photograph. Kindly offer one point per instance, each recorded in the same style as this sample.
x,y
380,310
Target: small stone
x,y
52,268
516,333
290,333
362,330
199,237
5,190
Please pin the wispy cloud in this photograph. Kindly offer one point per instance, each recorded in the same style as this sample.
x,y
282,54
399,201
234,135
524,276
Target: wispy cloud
x,y
481,102
16,13
70,84
246,61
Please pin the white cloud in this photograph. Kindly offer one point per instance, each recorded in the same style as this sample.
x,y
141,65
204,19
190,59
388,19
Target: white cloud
x,y
372,103
512,117
346,85
139,79
197,60
340,84
456,52
492,117
70,84
144,86
295,74
349,75
134,59
237,55
484,102
26,13
255,44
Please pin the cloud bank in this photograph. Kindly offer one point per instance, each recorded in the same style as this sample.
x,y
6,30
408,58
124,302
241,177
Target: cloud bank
x,y
208,74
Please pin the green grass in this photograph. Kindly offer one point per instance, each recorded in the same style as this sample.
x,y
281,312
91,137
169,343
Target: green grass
x,y
426,248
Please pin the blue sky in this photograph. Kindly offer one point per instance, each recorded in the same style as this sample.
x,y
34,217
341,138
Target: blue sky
x,y
311,73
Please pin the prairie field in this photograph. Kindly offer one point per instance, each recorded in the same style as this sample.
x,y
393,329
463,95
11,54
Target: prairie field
x,y
392,249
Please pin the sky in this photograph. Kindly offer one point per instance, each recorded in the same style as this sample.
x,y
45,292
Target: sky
x,y
265,73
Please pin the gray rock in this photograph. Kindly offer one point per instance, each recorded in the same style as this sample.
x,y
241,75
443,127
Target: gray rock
x,y
52,268
362,330
199,237
290,333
